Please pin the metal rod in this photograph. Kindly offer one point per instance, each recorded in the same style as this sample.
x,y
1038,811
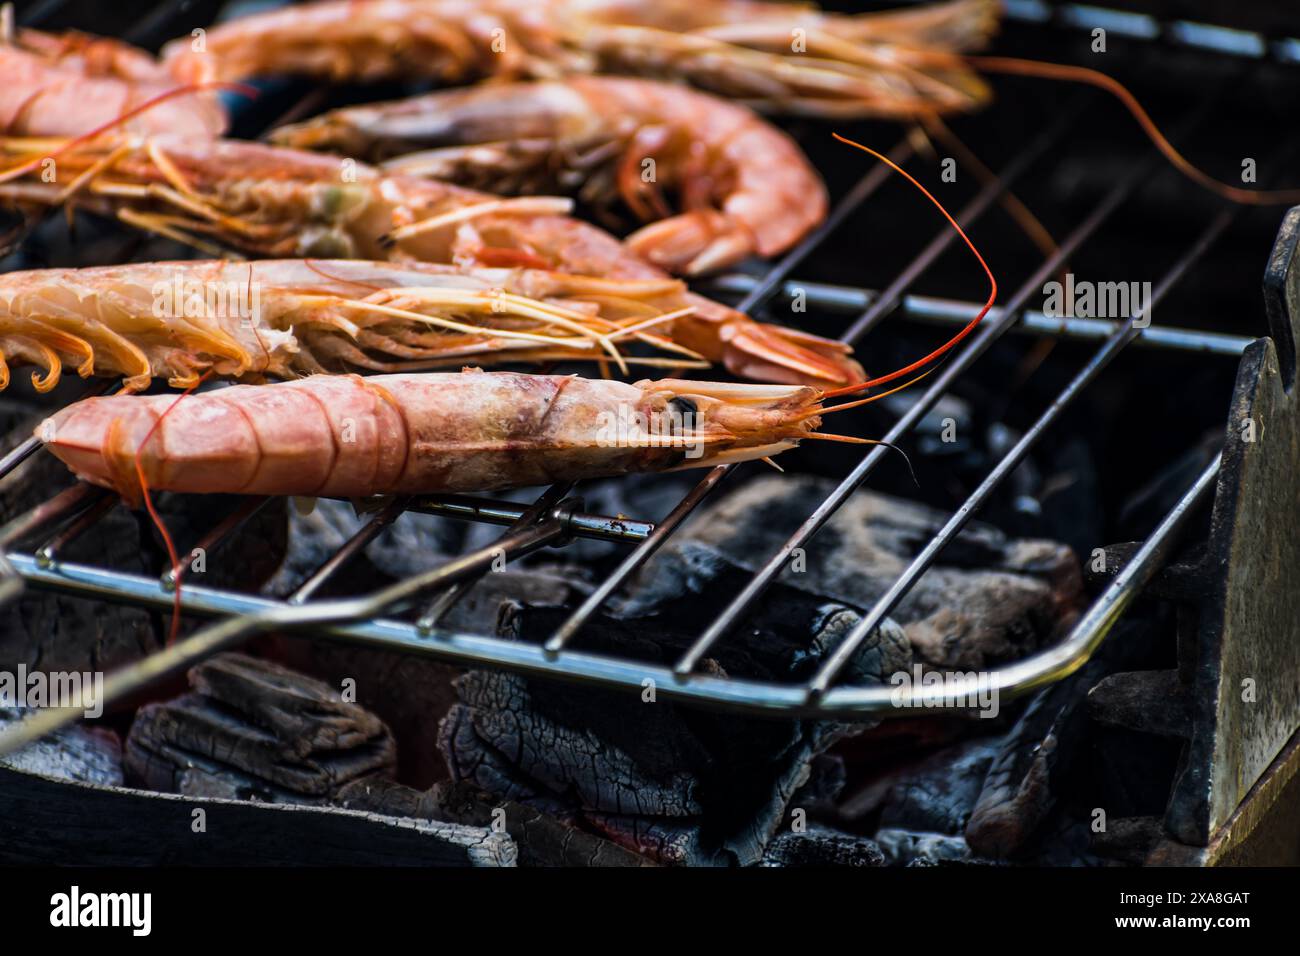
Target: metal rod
x,y
39,12
29,446
233,631
447,599
954,313
226,527
493,511
565,632
903,584
19,454
69,501
943,380
351,548
48,553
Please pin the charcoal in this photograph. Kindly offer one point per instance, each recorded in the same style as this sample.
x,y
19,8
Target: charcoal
x,y
819,846
989,599
909,848
542,839
676,784
1129,839
796,629
388,797
317,528
75,754
826,779
935,794
1018,793
411,694
253,728
1028,776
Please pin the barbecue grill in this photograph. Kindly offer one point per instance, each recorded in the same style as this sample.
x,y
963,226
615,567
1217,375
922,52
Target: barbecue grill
x,y
1224,553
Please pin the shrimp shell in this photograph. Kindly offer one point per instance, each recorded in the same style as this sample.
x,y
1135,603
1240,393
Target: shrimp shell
x,y
744,186
777,57
71,84
348,436
287,318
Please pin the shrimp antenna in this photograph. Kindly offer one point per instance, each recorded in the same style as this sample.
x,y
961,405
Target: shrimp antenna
x,y
24,168
154,516
1082,74
969,327
855,440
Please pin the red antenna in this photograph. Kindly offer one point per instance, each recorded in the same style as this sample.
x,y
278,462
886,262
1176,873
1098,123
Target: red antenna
x,y
970,326
157,518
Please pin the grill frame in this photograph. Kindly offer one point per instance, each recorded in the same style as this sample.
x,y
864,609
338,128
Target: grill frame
x,y
357,621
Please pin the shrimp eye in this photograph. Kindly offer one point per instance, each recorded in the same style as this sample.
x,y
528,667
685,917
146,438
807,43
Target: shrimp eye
x,y
683,407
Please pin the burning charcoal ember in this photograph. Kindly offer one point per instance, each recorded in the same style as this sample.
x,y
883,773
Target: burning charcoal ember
x,y
819,846
988,600
909,848
249,727
678,785
935,794
78,754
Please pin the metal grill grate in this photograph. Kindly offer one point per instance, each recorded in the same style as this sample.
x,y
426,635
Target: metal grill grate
x,y
555,516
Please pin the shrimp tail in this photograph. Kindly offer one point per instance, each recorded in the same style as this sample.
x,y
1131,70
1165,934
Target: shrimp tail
x,y
770,353
694,243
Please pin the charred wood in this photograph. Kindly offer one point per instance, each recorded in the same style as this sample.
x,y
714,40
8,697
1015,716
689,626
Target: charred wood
x,y
988,600
253,729
679,785
935,794
819,846
78,753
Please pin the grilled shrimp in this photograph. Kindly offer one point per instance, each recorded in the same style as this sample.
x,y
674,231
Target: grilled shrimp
x,y
780,57
284,318
274,202
73,83
348,436
742,185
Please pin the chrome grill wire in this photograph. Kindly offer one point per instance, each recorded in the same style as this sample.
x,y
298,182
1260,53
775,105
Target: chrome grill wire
x,y
553,518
